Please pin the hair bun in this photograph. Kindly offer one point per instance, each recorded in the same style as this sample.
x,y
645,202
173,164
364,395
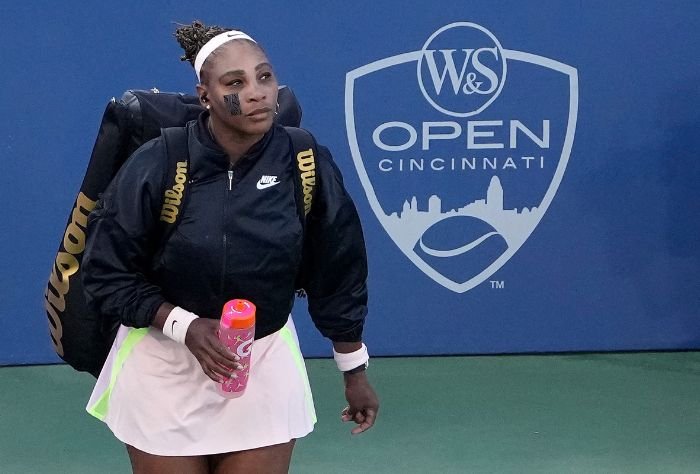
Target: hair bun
x,y
192,37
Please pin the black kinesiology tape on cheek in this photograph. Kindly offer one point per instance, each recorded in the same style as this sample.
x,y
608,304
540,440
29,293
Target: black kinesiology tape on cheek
x,y
234,104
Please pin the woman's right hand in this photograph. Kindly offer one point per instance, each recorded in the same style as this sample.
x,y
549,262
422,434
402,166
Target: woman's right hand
x,y
217,362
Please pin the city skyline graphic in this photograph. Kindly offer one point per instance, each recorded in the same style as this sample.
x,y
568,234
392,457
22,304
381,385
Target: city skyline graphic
x,y
407,226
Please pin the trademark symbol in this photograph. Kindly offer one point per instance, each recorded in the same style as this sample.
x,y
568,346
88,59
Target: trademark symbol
x,y
497,284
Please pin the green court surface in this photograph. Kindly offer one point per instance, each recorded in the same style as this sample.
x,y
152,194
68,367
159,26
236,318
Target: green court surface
x,y
600,413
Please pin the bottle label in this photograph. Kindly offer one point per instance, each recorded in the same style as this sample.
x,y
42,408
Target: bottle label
x,y
243,349
241,344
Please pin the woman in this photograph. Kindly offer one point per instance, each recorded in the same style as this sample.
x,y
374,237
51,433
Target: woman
x,y
235,239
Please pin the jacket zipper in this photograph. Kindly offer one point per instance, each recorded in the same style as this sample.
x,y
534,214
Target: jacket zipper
x,y
225,238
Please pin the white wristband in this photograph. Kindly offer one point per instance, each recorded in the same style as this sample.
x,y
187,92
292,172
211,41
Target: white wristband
x,y
351,360
176,325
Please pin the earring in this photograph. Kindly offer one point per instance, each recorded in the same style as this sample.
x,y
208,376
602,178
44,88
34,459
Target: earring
x,y
277,110
208,107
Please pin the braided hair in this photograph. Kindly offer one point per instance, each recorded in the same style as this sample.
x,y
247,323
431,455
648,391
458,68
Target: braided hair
x,y
193,37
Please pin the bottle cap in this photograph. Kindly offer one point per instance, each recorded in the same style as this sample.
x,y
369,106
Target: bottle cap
x,y
238,314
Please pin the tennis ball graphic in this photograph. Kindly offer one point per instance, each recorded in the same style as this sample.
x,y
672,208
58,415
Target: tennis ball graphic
x,y
460,247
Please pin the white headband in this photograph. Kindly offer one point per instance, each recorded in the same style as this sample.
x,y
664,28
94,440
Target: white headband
x,y
214,43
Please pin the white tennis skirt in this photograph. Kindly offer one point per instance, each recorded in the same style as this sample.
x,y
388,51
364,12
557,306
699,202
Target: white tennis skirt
x,y
153,395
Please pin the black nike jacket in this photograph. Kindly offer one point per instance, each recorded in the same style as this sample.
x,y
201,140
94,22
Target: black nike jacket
x,y
238,236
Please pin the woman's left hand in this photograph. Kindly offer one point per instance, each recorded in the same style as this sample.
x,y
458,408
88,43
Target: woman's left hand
x,y
363,403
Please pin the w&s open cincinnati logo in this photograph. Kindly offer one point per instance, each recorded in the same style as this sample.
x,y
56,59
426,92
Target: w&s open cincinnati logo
x,y
461,147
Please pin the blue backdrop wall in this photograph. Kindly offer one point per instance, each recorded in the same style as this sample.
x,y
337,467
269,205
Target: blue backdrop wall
x,y
526,171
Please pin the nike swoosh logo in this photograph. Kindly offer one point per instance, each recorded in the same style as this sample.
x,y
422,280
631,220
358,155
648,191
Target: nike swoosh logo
x,y
172,326
267,185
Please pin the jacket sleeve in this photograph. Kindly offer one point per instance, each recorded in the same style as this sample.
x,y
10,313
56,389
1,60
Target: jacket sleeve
x,y
121,234
335,261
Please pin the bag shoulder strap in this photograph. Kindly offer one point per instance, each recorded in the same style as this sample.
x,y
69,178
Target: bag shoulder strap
x,y
175,189
304,153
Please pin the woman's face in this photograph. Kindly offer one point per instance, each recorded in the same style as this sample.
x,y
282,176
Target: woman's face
x,y
240,87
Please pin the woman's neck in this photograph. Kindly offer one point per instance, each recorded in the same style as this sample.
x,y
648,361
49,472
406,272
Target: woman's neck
x,y
235,145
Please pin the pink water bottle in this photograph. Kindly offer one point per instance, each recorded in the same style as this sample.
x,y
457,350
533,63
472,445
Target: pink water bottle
x,y
237,332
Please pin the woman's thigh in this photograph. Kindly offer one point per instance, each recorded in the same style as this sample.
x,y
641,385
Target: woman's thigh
x,y
273,459
144,463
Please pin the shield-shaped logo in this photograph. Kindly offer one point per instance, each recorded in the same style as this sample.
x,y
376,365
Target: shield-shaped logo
x,y
461,147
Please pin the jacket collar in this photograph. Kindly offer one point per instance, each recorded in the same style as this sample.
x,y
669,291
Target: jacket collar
x,y
210,156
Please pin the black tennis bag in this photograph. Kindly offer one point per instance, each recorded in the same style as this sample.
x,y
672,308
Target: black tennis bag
x,y
81,338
